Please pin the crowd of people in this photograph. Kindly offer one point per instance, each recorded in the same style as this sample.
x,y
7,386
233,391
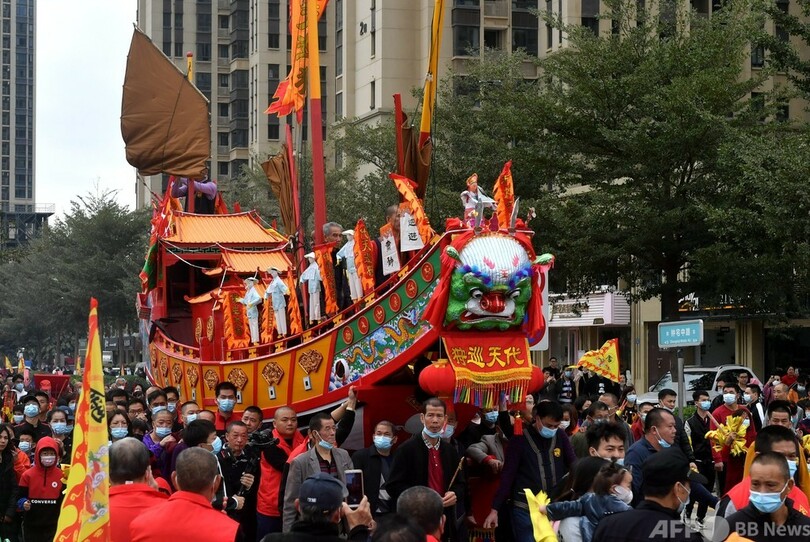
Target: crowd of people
x,y
612,469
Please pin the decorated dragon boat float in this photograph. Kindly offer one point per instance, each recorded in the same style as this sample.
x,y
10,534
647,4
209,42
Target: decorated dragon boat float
x,y
454,319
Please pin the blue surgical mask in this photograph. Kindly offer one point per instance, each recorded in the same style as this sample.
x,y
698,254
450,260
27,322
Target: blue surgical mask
x,y
620,461
324,444
729,398
18,418
792,466
800,389
767,502
24,446
569,374
119,432
60,428
643,417
381,442
661,442
190,418
682,504
19,386
217,445
431,434
546,432
72,407
448,431
705,405
31,411
746,423
226,405
491,416
631,397
157,409
172,407
747,397
163,432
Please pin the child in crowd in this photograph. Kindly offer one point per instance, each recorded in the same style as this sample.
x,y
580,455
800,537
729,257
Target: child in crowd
x,y
611,493
40,493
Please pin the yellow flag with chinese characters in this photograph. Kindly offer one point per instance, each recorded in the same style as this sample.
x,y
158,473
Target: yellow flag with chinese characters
x,y
604,362
85,513
543,531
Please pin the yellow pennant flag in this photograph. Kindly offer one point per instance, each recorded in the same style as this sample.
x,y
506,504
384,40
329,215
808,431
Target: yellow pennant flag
x,y
85,514
8,364
432,75
543,532
604,362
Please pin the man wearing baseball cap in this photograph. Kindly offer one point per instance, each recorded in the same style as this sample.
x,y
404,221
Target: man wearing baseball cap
x,y
320,507
666,487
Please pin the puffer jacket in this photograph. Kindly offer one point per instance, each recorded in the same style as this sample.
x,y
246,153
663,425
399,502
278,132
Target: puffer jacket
x,y
43,487
590,508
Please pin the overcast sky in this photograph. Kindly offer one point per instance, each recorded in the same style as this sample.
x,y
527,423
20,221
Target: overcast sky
x,y
81,54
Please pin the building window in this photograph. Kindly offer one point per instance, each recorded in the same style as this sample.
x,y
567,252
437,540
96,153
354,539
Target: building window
x,y
525,38
203,22
474,3
590,15
322,31
339,106
222,168
178,49
203,81
781,32
224,80
273,128
524,4
222,139
223,110
373,104
167,48
224,24
758,105
757,56
466,40
203,51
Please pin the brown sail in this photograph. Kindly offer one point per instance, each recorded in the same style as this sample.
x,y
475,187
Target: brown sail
x,y
277,170
164,117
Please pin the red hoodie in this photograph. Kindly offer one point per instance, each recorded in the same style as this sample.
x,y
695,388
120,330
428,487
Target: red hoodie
x,y
42,486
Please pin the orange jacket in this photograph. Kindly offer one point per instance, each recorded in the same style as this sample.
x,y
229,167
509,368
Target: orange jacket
x,y
128,502
270,480
182,515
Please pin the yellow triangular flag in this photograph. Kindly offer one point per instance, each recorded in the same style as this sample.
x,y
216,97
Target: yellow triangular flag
x,y
8,364
604,362
543,532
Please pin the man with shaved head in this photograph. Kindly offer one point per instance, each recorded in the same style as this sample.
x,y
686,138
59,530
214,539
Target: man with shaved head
x,y
133,491
188,512
274,458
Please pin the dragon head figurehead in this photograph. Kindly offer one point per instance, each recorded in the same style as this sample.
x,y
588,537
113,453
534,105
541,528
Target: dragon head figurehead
x,y
490,281
491,284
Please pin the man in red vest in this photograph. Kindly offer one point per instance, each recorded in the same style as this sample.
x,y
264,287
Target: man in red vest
x,y
274,458
188,514
132,488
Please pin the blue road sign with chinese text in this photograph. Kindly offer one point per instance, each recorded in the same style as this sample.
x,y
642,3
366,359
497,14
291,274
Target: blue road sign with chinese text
x,y
680,334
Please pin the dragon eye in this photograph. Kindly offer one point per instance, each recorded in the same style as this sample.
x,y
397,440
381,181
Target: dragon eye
x,y
475,293
514,294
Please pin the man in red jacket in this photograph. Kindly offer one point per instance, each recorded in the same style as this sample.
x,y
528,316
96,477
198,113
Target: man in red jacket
x,y
132,488
188,514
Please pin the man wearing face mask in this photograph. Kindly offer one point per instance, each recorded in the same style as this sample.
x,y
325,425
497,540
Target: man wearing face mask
x,y
32,421
324,456
734,465
537,460
375,462
189,509
606,440
597,414
781,440
770,515
659,434
667,399
226,401
18,386
667,486
696,428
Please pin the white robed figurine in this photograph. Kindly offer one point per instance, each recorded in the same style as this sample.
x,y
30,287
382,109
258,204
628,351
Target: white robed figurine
x,y
346,253
251,301
312,276
472,196
276,291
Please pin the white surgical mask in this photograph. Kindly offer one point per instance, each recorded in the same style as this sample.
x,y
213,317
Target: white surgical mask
x,y
623,494
564,425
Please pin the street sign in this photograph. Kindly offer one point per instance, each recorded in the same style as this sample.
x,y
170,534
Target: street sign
x,y
680,334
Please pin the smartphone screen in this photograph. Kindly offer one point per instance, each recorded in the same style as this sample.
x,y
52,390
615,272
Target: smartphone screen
x,y
354,483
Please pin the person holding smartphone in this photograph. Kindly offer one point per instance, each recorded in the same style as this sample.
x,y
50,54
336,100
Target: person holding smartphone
x,y
374,463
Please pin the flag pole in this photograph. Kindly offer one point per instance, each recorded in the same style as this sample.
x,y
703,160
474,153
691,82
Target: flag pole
x,y
399,119
316,120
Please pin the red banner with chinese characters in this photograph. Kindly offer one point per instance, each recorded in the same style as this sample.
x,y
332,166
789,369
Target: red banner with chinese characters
x,y
323,255
487,365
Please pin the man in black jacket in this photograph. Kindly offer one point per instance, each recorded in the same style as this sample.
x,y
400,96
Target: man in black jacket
x,y
375,462
696,428
770,514
424,460
666,399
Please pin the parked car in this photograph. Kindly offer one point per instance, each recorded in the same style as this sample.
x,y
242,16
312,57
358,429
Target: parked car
x,y
697,378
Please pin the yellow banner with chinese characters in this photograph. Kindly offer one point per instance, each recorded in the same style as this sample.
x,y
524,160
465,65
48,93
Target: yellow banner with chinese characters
x,y
85,513
488,365
604,362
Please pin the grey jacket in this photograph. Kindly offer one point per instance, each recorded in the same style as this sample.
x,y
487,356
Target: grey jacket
x,y
301,468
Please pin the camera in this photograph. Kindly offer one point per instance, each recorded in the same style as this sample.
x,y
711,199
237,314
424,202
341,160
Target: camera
x,y
262,439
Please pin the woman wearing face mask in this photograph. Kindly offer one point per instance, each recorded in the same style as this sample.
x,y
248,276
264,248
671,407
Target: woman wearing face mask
x,y
611,494
630,404
20,460
40,493
62,432
570,419
120,426
8,486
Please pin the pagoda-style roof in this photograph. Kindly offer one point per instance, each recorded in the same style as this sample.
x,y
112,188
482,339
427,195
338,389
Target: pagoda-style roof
x,y
231,229
249,262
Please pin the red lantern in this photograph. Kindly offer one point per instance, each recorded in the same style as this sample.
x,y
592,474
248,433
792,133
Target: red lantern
x,y
537,379
438,378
